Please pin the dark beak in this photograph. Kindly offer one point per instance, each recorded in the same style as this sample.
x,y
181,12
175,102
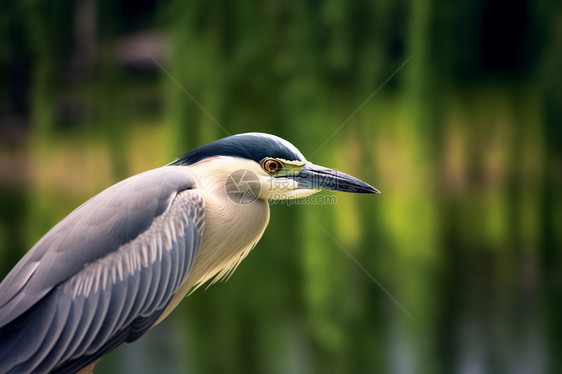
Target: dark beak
x,y
321,178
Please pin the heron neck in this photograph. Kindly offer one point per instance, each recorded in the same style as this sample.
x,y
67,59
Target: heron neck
x,y
232,228
231,231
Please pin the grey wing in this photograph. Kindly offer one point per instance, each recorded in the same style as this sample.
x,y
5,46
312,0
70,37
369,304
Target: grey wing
x,y
103,275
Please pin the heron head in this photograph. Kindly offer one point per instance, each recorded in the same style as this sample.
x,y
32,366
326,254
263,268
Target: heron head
x,y
267,167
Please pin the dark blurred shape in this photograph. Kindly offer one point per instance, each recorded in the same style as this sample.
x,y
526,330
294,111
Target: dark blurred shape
x,y
137,14
505,35
85,35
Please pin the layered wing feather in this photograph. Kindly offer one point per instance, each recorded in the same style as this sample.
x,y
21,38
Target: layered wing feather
x,y
103,275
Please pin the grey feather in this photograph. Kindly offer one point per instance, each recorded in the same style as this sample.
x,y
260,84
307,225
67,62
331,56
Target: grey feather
x,y
97,228
103,275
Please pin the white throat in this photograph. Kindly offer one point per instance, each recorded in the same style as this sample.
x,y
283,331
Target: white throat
x,y
234,221
231,229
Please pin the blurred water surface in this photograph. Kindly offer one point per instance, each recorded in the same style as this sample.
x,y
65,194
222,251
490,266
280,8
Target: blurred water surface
x,y
452,110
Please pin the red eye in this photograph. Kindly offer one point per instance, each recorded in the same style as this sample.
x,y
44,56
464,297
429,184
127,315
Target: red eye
x,y
271,166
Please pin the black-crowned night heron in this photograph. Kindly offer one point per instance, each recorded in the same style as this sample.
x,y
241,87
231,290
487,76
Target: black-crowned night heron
x,y
122,261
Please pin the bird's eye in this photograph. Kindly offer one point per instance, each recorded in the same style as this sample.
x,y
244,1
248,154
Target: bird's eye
x,y
271,166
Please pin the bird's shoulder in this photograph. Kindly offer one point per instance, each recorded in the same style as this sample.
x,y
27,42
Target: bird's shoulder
x,y
96,229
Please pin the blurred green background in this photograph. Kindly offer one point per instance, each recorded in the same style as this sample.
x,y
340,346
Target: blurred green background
x,y
452,109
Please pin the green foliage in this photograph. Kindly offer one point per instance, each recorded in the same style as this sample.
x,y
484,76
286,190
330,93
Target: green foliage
x,y
410,96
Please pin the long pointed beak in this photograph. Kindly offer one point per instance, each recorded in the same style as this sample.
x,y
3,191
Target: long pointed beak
x,y
321,178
